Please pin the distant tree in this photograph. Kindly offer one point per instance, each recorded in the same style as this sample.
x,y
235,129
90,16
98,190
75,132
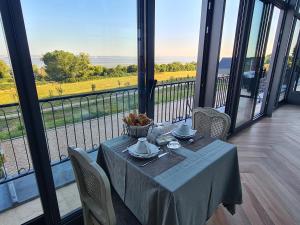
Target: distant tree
x,y
120,68
39,73
96,70
93,86
50,93
42,73
35,69
267,59
59,90
132,69
4,70
61,65
161,68
82,66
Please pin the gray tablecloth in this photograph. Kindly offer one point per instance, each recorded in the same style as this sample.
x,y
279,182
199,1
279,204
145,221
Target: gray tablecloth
x,y
185,194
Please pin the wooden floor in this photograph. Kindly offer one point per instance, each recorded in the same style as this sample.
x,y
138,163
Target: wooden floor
x,y
269,158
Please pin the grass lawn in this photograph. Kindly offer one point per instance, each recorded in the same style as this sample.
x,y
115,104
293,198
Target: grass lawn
x,y
57,113
51,89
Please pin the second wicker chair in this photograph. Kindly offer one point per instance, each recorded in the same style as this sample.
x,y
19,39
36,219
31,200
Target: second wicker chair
x,y
210,122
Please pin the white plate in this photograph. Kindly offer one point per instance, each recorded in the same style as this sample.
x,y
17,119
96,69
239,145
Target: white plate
x,y
153,148
192,134
174,145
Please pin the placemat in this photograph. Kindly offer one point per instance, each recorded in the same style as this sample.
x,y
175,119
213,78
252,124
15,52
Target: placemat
x,y
154,168
198,143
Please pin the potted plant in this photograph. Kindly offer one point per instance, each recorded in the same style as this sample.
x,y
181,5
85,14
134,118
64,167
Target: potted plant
x,y
137,124
2,160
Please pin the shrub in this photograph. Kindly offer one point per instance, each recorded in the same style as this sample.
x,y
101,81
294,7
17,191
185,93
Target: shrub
x,y
2,161
93,86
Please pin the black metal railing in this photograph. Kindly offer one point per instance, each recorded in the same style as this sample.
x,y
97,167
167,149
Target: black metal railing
x,y
221,90
86,120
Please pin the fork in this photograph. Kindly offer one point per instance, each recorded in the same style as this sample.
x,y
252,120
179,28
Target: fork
x,y
158,157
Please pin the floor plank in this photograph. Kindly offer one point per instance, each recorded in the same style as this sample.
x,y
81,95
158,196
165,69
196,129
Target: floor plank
x,y
269,158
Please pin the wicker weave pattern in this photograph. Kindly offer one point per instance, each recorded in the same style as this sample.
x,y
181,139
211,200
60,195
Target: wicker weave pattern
x,y
92,186
210,122
94,189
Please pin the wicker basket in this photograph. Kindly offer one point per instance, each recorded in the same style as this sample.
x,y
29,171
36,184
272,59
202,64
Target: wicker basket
x,y
138,131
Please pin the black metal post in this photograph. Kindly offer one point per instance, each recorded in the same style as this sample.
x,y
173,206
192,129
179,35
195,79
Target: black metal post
x,y
14,28
206,49
241,42
141,55
149,48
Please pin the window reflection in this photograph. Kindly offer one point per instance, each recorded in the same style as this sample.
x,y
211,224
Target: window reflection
x,y
226,50
290,58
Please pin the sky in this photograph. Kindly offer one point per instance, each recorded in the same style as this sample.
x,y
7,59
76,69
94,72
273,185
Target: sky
x,y
109,27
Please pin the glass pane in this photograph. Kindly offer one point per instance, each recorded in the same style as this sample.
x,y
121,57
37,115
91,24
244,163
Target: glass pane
x,y
263,85
249,76
297,70
177,25
226,50
81,47
19,196
288,70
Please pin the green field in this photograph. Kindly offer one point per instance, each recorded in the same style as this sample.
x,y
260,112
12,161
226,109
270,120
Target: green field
x,y
8,95
57,113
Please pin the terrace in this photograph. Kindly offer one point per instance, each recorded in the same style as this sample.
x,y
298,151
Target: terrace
x,y
253,78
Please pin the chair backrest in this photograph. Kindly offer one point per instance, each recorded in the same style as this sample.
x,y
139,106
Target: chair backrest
x,y
94,189
210,122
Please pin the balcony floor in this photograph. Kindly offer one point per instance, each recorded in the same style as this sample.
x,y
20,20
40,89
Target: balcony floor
x,y
269,156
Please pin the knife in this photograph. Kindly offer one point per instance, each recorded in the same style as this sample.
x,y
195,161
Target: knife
x,y
158,157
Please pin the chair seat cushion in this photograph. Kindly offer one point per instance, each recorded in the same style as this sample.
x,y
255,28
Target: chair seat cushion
x,y
123,215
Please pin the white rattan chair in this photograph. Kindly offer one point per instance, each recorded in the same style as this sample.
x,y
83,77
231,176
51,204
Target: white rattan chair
x,y
210,122
98,201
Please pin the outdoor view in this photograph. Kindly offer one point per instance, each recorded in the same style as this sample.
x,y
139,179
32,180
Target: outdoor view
x,y
84,57
80,50
81,56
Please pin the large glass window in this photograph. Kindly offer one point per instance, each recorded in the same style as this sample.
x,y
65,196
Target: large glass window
x,y
81,47
266,72
177,26
297,74
249,75
226,50
290,58
19,196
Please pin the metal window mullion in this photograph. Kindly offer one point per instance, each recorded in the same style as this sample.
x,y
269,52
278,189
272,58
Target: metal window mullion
x,y
15,33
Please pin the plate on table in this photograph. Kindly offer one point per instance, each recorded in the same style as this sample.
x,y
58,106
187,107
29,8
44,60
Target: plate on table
x,y
153,148
186,136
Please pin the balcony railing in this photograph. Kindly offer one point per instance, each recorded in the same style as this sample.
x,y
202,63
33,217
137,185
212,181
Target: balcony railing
x,y
86,120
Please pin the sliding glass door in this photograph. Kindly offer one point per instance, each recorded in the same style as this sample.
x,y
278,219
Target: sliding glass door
x,y
77,55
257,69
250,74
287,73
267,63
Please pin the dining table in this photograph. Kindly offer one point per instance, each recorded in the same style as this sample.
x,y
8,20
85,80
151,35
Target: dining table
x,y
183,187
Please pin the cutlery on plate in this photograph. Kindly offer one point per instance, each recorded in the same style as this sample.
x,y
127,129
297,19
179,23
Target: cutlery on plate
x,y
158,157
125,150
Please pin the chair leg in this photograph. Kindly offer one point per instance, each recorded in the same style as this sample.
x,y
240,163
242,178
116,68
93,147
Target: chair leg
x,y
86,218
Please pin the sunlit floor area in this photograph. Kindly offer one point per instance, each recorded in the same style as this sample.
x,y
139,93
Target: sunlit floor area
x,y
269,160
269,157
68,200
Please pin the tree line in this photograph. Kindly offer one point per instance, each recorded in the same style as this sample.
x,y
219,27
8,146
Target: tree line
x,y
63,66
